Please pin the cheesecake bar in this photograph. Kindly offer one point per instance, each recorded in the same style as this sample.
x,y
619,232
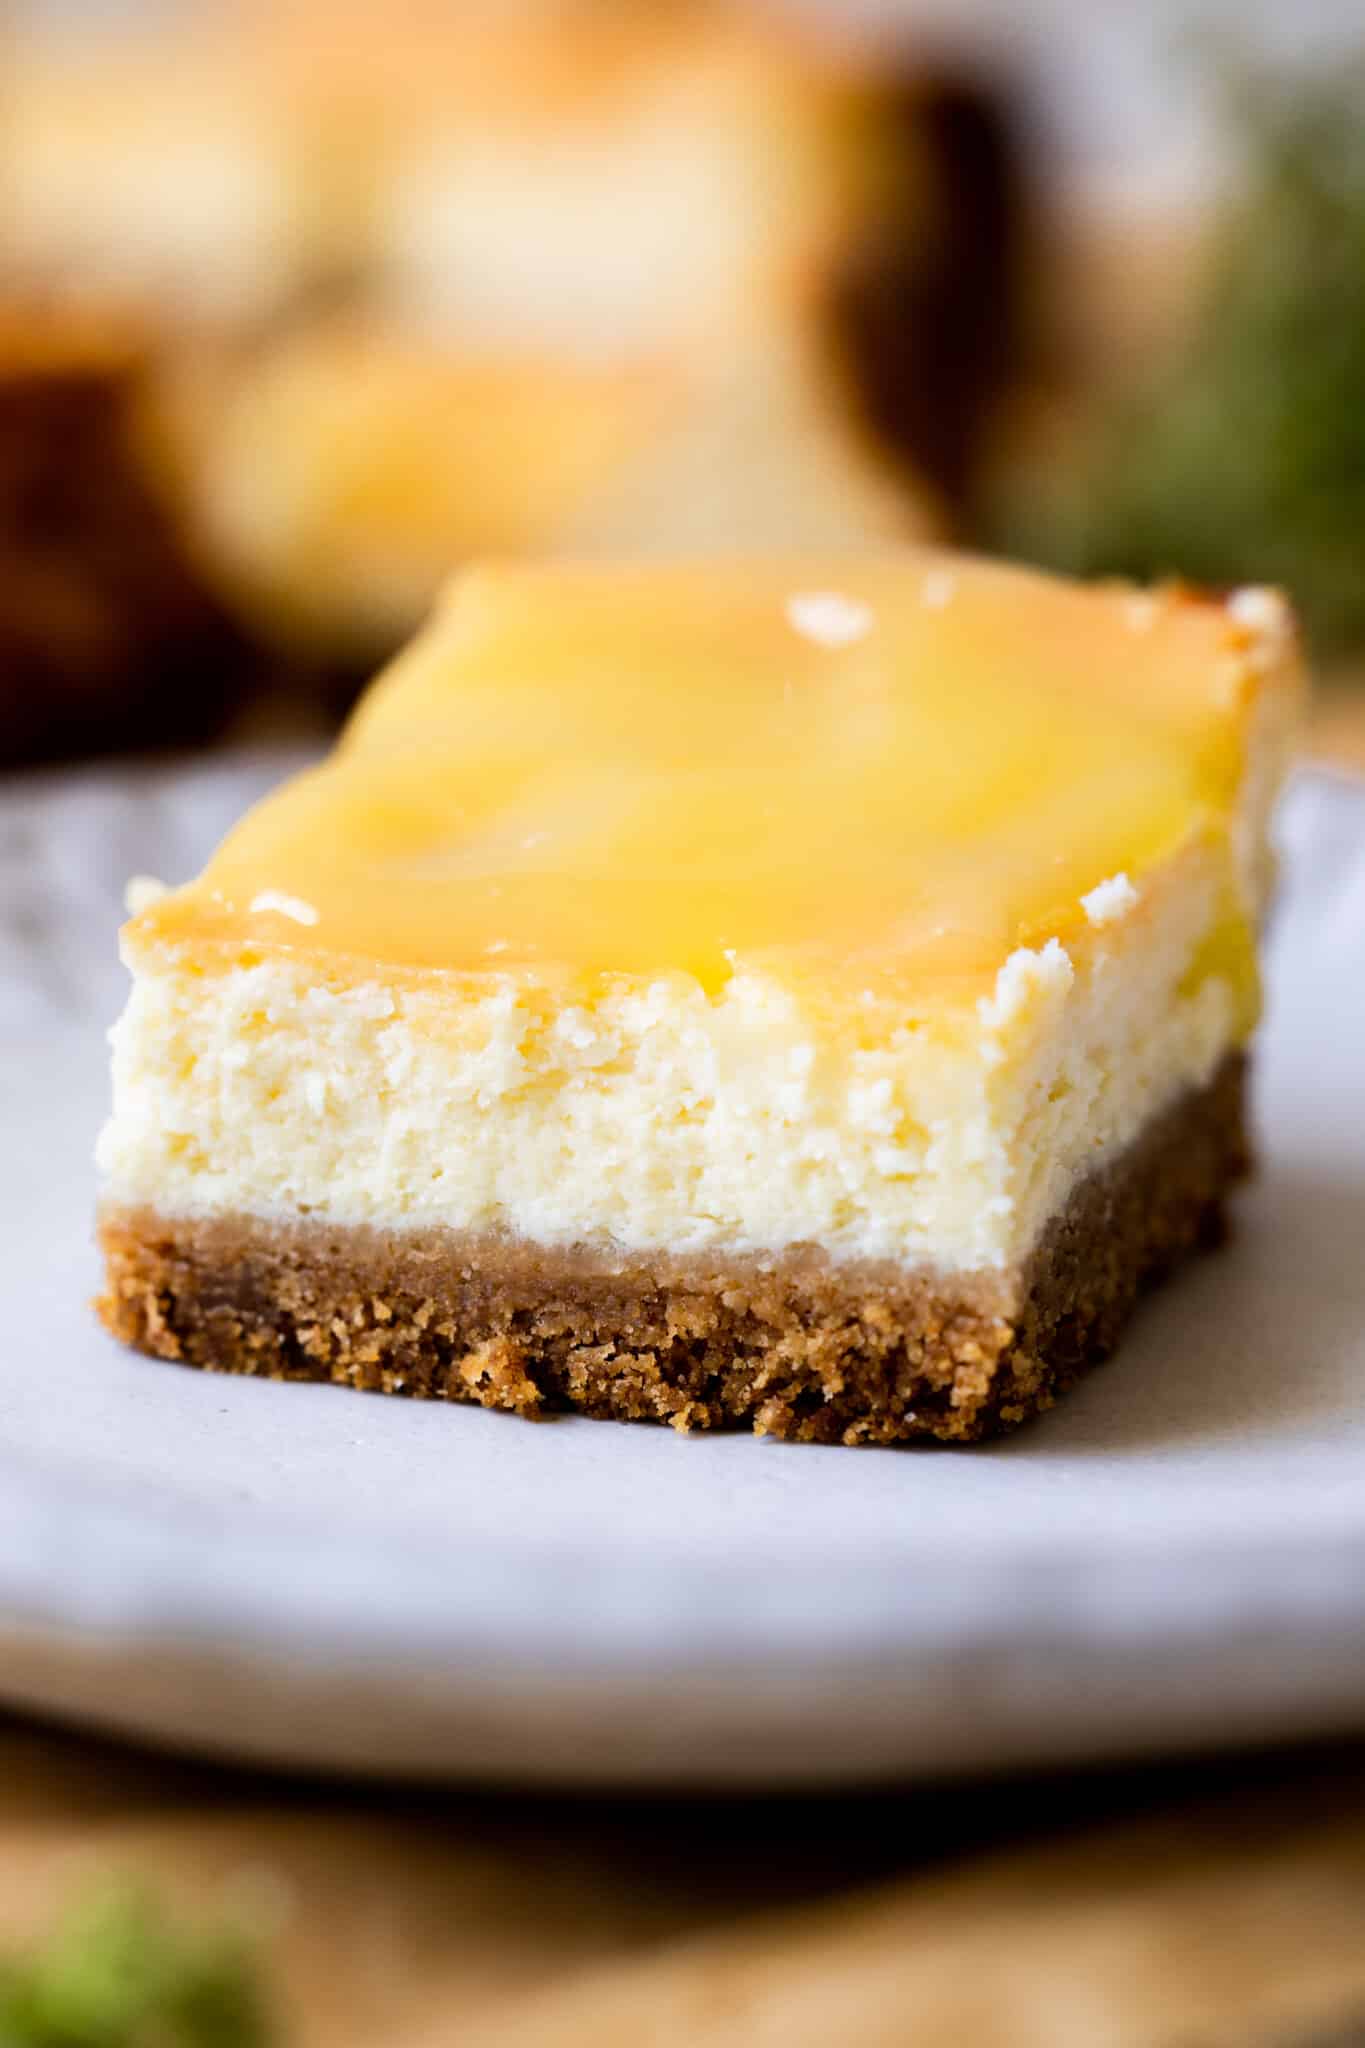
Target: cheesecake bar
x,y
810,995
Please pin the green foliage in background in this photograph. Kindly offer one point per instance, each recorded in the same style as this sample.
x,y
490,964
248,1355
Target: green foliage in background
x,y
116,1974
1246,460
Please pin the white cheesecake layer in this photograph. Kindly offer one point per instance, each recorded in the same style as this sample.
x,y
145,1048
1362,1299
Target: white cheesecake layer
x,y
656,1115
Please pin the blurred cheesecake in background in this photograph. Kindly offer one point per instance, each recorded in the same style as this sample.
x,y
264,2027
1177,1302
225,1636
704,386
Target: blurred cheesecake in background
x,y
546,279
332,478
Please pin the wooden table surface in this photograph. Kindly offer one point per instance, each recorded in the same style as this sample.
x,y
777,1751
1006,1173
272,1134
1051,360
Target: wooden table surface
x,y
1216,1904
1203,1905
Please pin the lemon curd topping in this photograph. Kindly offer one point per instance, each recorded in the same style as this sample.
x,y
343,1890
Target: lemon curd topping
x,y
879,775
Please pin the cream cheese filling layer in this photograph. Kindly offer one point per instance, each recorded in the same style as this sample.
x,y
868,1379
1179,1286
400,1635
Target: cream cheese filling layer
x,y
656,1114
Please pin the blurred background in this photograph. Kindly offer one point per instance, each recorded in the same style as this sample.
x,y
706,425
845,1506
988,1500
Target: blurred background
x,y
301,305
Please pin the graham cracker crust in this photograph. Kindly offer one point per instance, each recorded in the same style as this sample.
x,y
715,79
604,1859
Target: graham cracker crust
x,y
793,1345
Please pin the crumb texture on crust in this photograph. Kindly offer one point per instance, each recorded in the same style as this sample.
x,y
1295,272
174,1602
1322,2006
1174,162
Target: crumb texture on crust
x,y
793,1346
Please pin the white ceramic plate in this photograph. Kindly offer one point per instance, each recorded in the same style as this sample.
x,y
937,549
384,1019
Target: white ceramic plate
x,y
1176,1556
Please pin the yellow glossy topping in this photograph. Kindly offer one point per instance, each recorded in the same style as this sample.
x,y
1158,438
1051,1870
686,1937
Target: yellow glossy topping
x,y
891,773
